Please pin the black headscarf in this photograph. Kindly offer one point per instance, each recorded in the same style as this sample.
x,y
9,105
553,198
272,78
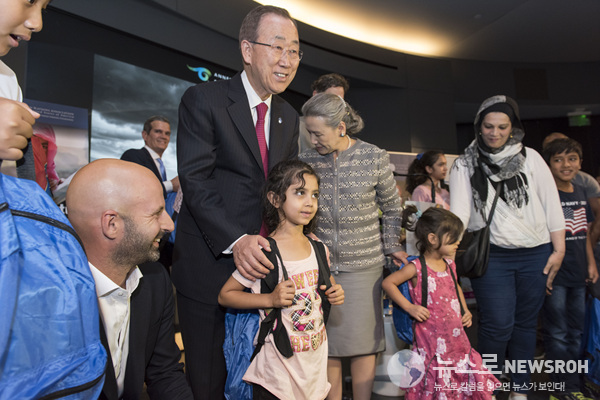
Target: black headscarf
x,y
503,165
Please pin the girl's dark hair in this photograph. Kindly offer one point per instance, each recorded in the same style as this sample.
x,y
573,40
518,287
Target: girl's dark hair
x,y
444,224
427,159
281,177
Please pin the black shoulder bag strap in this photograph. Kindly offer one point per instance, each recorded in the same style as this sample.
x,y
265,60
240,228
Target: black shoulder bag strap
x,y
498,189
268,284
324,276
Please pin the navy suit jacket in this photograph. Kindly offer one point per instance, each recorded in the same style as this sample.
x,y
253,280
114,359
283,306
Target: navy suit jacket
x,y
143,158
153,354
222,177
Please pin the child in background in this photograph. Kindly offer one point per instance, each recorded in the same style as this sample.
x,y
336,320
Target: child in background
x,y
18,20
439,335
564,307
291,202
430,164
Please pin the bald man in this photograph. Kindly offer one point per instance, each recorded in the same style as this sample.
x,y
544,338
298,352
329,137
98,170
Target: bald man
x,y
590,187
118,209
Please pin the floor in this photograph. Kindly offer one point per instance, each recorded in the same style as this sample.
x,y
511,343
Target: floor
x,y
383,386
384,389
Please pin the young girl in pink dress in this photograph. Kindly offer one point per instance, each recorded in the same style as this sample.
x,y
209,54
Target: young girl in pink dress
x,y
454,370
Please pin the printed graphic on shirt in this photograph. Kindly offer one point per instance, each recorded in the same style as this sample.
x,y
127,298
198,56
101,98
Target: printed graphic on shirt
x,y
308,329
575,218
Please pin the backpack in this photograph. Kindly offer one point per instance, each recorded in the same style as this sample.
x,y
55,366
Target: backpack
x,y
591,340
403,322
241,326
50,338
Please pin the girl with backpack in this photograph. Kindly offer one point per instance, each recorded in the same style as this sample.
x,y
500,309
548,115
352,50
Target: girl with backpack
x,y
453,369
289,207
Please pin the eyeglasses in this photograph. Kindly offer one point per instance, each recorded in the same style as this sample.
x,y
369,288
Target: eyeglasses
x,y
295,55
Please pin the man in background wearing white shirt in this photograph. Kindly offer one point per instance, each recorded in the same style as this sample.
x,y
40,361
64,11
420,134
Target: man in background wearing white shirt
x,y
156,135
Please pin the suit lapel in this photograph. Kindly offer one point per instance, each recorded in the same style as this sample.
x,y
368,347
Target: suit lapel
x,y
152,164
138,318
240,114
276,145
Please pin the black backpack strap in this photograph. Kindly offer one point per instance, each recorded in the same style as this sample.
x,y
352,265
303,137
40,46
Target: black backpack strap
x,y
267,285
424,284
269,282
324,276
423,281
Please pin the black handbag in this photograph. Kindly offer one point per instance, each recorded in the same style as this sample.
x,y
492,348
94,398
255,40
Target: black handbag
x,y
473,251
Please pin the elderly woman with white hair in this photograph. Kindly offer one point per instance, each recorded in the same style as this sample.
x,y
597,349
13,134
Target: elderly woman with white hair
x,y
356,182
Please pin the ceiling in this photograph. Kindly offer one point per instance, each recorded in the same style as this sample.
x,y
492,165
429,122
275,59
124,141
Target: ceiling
x,y
531,31
512,31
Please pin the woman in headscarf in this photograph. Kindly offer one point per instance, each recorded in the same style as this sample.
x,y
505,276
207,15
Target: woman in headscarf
x,y
356,181
527,233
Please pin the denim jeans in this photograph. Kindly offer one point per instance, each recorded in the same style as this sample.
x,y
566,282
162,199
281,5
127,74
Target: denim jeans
x,y
509,298
563,317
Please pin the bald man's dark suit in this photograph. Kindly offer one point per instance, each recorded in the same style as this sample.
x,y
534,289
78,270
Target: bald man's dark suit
x,y
222,177
153,355
142,157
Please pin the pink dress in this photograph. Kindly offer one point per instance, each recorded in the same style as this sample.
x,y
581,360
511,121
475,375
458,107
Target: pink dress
x,y
423,193
453,369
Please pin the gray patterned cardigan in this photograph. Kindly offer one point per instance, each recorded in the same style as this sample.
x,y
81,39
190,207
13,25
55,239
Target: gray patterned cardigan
x,y
353,188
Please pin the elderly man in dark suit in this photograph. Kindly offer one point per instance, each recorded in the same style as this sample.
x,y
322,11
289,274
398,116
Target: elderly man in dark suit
x,y
156,135
230,133
118,210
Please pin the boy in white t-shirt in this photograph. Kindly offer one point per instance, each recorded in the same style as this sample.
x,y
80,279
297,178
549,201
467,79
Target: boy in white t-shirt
x,y
18,20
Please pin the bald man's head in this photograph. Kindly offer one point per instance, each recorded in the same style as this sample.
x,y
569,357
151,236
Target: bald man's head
x,y
553,136
114,203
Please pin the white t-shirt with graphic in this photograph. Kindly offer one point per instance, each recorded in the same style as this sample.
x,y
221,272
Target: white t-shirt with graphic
x,y
304,375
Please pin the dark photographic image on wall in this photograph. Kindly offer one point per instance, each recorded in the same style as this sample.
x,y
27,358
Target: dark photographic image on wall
x,y
124,96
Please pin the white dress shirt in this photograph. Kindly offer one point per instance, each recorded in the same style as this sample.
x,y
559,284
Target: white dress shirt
x,y
254,100
115,310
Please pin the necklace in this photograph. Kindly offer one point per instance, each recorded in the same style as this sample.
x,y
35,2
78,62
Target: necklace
x,y
349,142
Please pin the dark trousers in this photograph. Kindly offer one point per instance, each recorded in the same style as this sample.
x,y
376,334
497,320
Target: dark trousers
x,y
509,298
203,332
563,319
